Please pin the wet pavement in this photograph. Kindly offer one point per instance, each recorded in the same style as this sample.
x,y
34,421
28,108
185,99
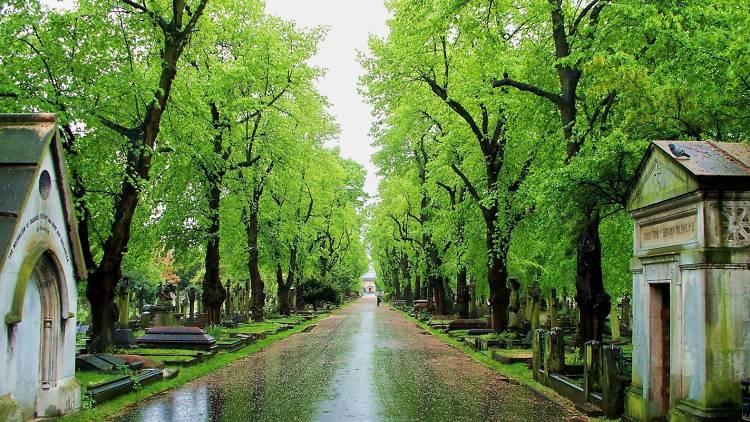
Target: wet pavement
x,y
365,363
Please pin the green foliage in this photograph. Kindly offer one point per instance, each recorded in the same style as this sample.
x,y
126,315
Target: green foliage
x,y
446,64
243,116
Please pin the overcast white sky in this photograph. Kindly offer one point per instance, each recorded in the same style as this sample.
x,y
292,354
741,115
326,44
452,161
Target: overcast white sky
x,y
349,23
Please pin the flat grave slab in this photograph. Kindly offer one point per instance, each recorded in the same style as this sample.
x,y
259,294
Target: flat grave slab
x,y
94,363
465,324
192,338
480,331
111,389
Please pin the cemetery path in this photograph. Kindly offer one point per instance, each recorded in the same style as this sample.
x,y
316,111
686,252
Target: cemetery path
x,y
365,363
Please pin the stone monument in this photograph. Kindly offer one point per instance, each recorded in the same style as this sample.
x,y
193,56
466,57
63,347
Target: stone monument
x,y
40,263
691,281
163,316
123,336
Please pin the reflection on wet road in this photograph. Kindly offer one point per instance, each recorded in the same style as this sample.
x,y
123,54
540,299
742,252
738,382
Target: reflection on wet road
x,y
365,363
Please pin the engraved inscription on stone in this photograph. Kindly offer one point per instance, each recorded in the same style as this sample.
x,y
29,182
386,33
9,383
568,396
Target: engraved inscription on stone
x,y
673,232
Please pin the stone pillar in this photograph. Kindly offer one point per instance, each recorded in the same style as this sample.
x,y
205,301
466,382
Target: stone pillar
x,y
552,312
535,305
626,315
554,362
592,368
228,304
613,383
191,303
141,299
528,305
515,304
538,349
177,302
565,309
122,306
614,322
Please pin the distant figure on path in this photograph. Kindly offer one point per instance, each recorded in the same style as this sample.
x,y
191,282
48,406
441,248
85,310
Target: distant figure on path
x,y
378,297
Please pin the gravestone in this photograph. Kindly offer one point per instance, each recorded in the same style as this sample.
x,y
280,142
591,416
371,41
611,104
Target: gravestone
x,y
40,263
191,301
536,298
515,304
162,311
552,311
626,314
690,269
123,336
565,308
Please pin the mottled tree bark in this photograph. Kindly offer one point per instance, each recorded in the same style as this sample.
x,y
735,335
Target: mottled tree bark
x,y
100,289
462,294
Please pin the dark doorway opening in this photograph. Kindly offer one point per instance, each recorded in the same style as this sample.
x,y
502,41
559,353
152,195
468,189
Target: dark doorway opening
x,y
660,346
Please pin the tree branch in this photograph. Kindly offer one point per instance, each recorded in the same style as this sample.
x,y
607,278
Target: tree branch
x,y
506,81
472,191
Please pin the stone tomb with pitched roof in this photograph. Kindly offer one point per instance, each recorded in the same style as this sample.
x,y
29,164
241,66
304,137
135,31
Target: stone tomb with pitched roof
x,y
691,282
40,262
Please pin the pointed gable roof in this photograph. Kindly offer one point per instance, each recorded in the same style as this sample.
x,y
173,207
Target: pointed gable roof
x,y
711,166
24,141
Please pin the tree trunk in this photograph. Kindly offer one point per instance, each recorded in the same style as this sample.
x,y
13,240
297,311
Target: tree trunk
x,y
214,293
417,287
407,293
257,294
299,298
285,286
497,276
462,294
593,301
406,279
100,289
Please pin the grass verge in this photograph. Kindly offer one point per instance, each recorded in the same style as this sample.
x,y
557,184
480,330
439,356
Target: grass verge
x,y
118,405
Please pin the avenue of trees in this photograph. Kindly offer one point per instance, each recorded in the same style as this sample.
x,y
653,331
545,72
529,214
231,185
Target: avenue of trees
x,y
195,139
509,131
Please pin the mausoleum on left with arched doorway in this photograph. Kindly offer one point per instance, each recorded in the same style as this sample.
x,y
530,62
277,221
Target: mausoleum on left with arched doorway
x,y
40,263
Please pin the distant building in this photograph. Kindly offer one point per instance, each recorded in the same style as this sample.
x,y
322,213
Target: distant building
x,y
368,284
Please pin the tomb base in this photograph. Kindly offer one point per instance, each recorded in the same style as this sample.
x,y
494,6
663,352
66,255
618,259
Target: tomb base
x,y
687,411
124,338
635,405
63,398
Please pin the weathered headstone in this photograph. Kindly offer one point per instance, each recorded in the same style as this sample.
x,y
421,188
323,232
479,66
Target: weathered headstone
x,y
123,336
515,304
535,296
553,309
555,352
191,301
162,312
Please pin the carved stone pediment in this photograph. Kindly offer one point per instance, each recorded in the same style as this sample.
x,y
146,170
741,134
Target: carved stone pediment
x,y
662,179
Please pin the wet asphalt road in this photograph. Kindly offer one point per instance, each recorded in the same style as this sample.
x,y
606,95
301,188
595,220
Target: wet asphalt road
x,y
365,363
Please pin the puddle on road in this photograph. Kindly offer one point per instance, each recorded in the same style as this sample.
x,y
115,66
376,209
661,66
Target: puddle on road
x,y
307,377
351,394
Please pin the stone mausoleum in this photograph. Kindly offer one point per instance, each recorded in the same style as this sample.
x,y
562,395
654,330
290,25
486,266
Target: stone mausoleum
x,y
691,282
40,262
